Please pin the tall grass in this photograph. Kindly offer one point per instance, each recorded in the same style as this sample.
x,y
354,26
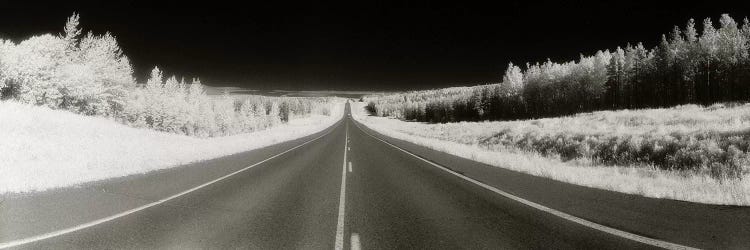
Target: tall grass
x,y
712,141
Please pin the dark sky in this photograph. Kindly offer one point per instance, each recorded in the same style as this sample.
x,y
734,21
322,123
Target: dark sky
x,y
359,45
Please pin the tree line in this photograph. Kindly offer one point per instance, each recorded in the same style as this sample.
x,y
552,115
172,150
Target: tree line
x,y
685,67
89,74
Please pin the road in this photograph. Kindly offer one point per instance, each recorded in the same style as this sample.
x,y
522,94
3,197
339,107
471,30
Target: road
x,y
351,188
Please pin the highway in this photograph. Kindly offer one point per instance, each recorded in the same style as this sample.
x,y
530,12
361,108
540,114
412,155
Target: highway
x,y
351,188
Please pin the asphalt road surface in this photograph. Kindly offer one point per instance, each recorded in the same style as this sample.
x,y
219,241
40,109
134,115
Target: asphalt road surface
x,y
351,188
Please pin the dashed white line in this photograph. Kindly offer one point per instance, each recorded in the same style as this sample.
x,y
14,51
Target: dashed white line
x,y
580,221
31,239
339,245
350,167
355,244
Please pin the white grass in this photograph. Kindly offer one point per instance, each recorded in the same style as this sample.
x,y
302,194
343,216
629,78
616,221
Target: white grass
x,y
461,139
42,148
683,119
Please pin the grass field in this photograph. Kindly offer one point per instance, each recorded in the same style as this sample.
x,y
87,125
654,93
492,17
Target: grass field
x,y
686,153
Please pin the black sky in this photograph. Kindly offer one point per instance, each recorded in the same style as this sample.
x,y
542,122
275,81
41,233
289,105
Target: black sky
x,y
359,45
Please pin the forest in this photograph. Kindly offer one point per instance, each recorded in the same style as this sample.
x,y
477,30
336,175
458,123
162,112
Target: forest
x,y
90,75
686,67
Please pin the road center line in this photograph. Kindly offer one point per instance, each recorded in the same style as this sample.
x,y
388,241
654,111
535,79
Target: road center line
x,y
355,244
339,245
572,218
350,167
31,239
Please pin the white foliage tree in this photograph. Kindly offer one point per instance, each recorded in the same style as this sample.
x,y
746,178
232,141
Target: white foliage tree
x,y
224,115
72,31
32,68
512,81
88,75
91,75
111,68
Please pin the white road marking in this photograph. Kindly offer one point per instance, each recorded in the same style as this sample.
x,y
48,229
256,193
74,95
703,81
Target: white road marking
x,y
581,221
31,239
339,245
355,244
350,167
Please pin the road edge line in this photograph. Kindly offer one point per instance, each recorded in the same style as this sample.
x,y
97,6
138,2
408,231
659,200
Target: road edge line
x,y
569,217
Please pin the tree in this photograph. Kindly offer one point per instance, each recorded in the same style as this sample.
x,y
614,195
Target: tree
x,y
111,76
664,67
691,35
284,112
690,63
677,47
32,69
532,93
708,43
224,110
617,77
91,75
590,76
88,75
72,31
156,79
248,116
195,91
731,53
508,93
637,60
683,68
512,81
153,92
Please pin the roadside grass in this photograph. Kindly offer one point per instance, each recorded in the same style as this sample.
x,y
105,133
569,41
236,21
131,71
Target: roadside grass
x,y
502,144
41,148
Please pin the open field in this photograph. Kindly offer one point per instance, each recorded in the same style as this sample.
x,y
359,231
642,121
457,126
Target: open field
x,y
573,149
44,148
